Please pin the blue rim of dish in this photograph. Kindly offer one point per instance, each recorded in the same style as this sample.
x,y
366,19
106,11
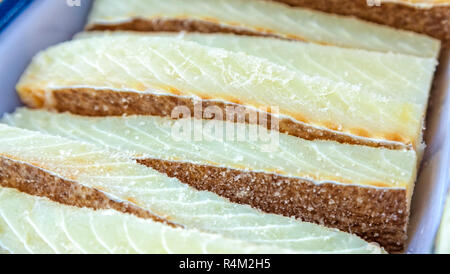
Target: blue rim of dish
x,y
9,9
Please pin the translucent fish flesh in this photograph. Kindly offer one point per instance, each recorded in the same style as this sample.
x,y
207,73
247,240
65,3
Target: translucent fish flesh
x,y
359,189
124,180
257,18
99,75
154,137
395,76
31,225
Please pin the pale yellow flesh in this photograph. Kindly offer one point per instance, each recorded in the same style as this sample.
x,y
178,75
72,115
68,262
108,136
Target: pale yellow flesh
x,y
443,237
271,18
124,179
257,149
173,66
31,225
396,76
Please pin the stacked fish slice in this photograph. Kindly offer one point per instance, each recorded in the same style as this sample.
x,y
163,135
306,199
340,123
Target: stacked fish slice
x,y
326,115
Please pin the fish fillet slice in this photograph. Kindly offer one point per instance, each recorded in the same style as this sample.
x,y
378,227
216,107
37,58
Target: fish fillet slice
x,y
395,76
354,188
443,237
423,16
31,224
151,75
155,137
124,180
256,17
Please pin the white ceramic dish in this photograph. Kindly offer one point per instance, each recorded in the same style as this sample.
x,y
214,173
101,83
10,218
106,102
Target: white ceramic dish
x,y
47,22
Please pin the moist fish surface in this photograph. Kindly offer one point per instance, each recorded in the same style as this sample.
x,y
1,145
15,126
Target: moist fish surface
x,y
259,18
396,76
32,225
122,179
67,76
359,189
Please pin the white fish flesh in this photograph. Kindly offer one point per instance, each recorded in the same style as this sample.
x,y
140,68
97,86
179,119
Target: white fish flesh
x,y
125,180
32,225
268,18
395,76
164,66
153,137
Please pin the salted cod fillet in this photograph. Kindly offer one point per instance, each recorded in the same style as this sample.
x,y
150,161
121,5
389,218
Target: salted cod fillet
x,y
36,225
443,236
395,76
360,189
423,16
117,178
144,137
154,75
255,17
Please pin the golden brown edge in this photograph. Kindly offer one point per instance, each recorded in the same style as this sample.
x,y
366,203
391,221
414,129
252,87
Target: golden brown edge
x,y
86,102
433,21
375,214
38,182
